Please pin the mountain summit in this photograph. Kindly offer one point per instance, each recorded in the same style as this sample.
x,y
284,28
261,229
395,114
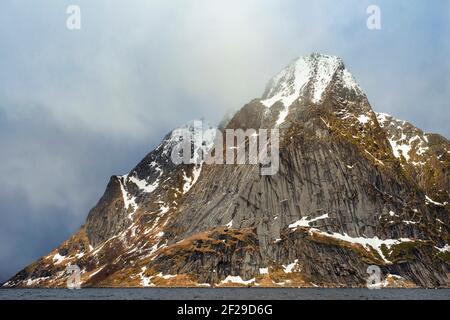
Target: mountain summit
x,y
312,73
354,189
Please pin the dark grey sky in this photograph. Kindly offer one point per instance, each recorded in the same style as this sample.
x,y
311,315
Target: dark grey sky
x,y
79,106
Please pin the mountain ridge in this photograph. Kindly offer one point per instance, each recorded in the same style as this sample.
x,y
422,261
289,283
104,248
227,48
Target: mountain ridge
x,y
346,197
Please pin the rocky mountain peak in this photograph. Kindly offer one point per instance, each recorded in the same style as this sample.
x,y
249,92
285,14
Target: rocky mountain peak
x,y
199,131
307,76
152,186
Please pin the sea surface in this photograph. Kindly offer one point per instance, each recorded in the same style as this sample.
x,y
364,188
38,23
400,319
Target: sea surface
x,y
224,294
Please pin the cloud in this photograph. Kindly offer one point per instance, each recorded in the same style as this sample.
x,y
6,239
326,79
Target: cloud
x,y
79,106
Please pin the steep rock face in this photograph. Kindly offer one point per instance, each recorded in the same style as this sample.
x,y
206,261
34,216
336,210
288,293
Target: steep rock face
x,y
344,197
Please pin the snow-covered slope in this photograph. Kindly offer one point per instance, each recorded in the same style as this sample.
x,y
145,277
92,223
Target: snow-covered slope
x,y
426,156
405,139
307,77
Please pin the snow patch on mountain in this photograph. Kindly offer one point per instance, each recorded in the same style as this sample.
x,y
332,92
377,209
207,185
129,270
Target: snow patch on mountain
x,y
128,199
445,248
190,181
367,243
287,85
405,139
325,69
374,242
290,267
145,281
304,221
57,258
263,270
349,81
428,200
143,185
32,282
363,119
238,280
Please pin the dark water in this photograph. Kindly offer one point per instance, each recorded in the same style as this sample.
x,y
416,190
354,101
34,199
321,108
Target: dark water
x,y
226,294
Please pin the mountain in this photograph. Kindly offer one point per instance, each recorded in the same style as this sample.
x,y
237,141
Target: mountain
x,y
354,188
